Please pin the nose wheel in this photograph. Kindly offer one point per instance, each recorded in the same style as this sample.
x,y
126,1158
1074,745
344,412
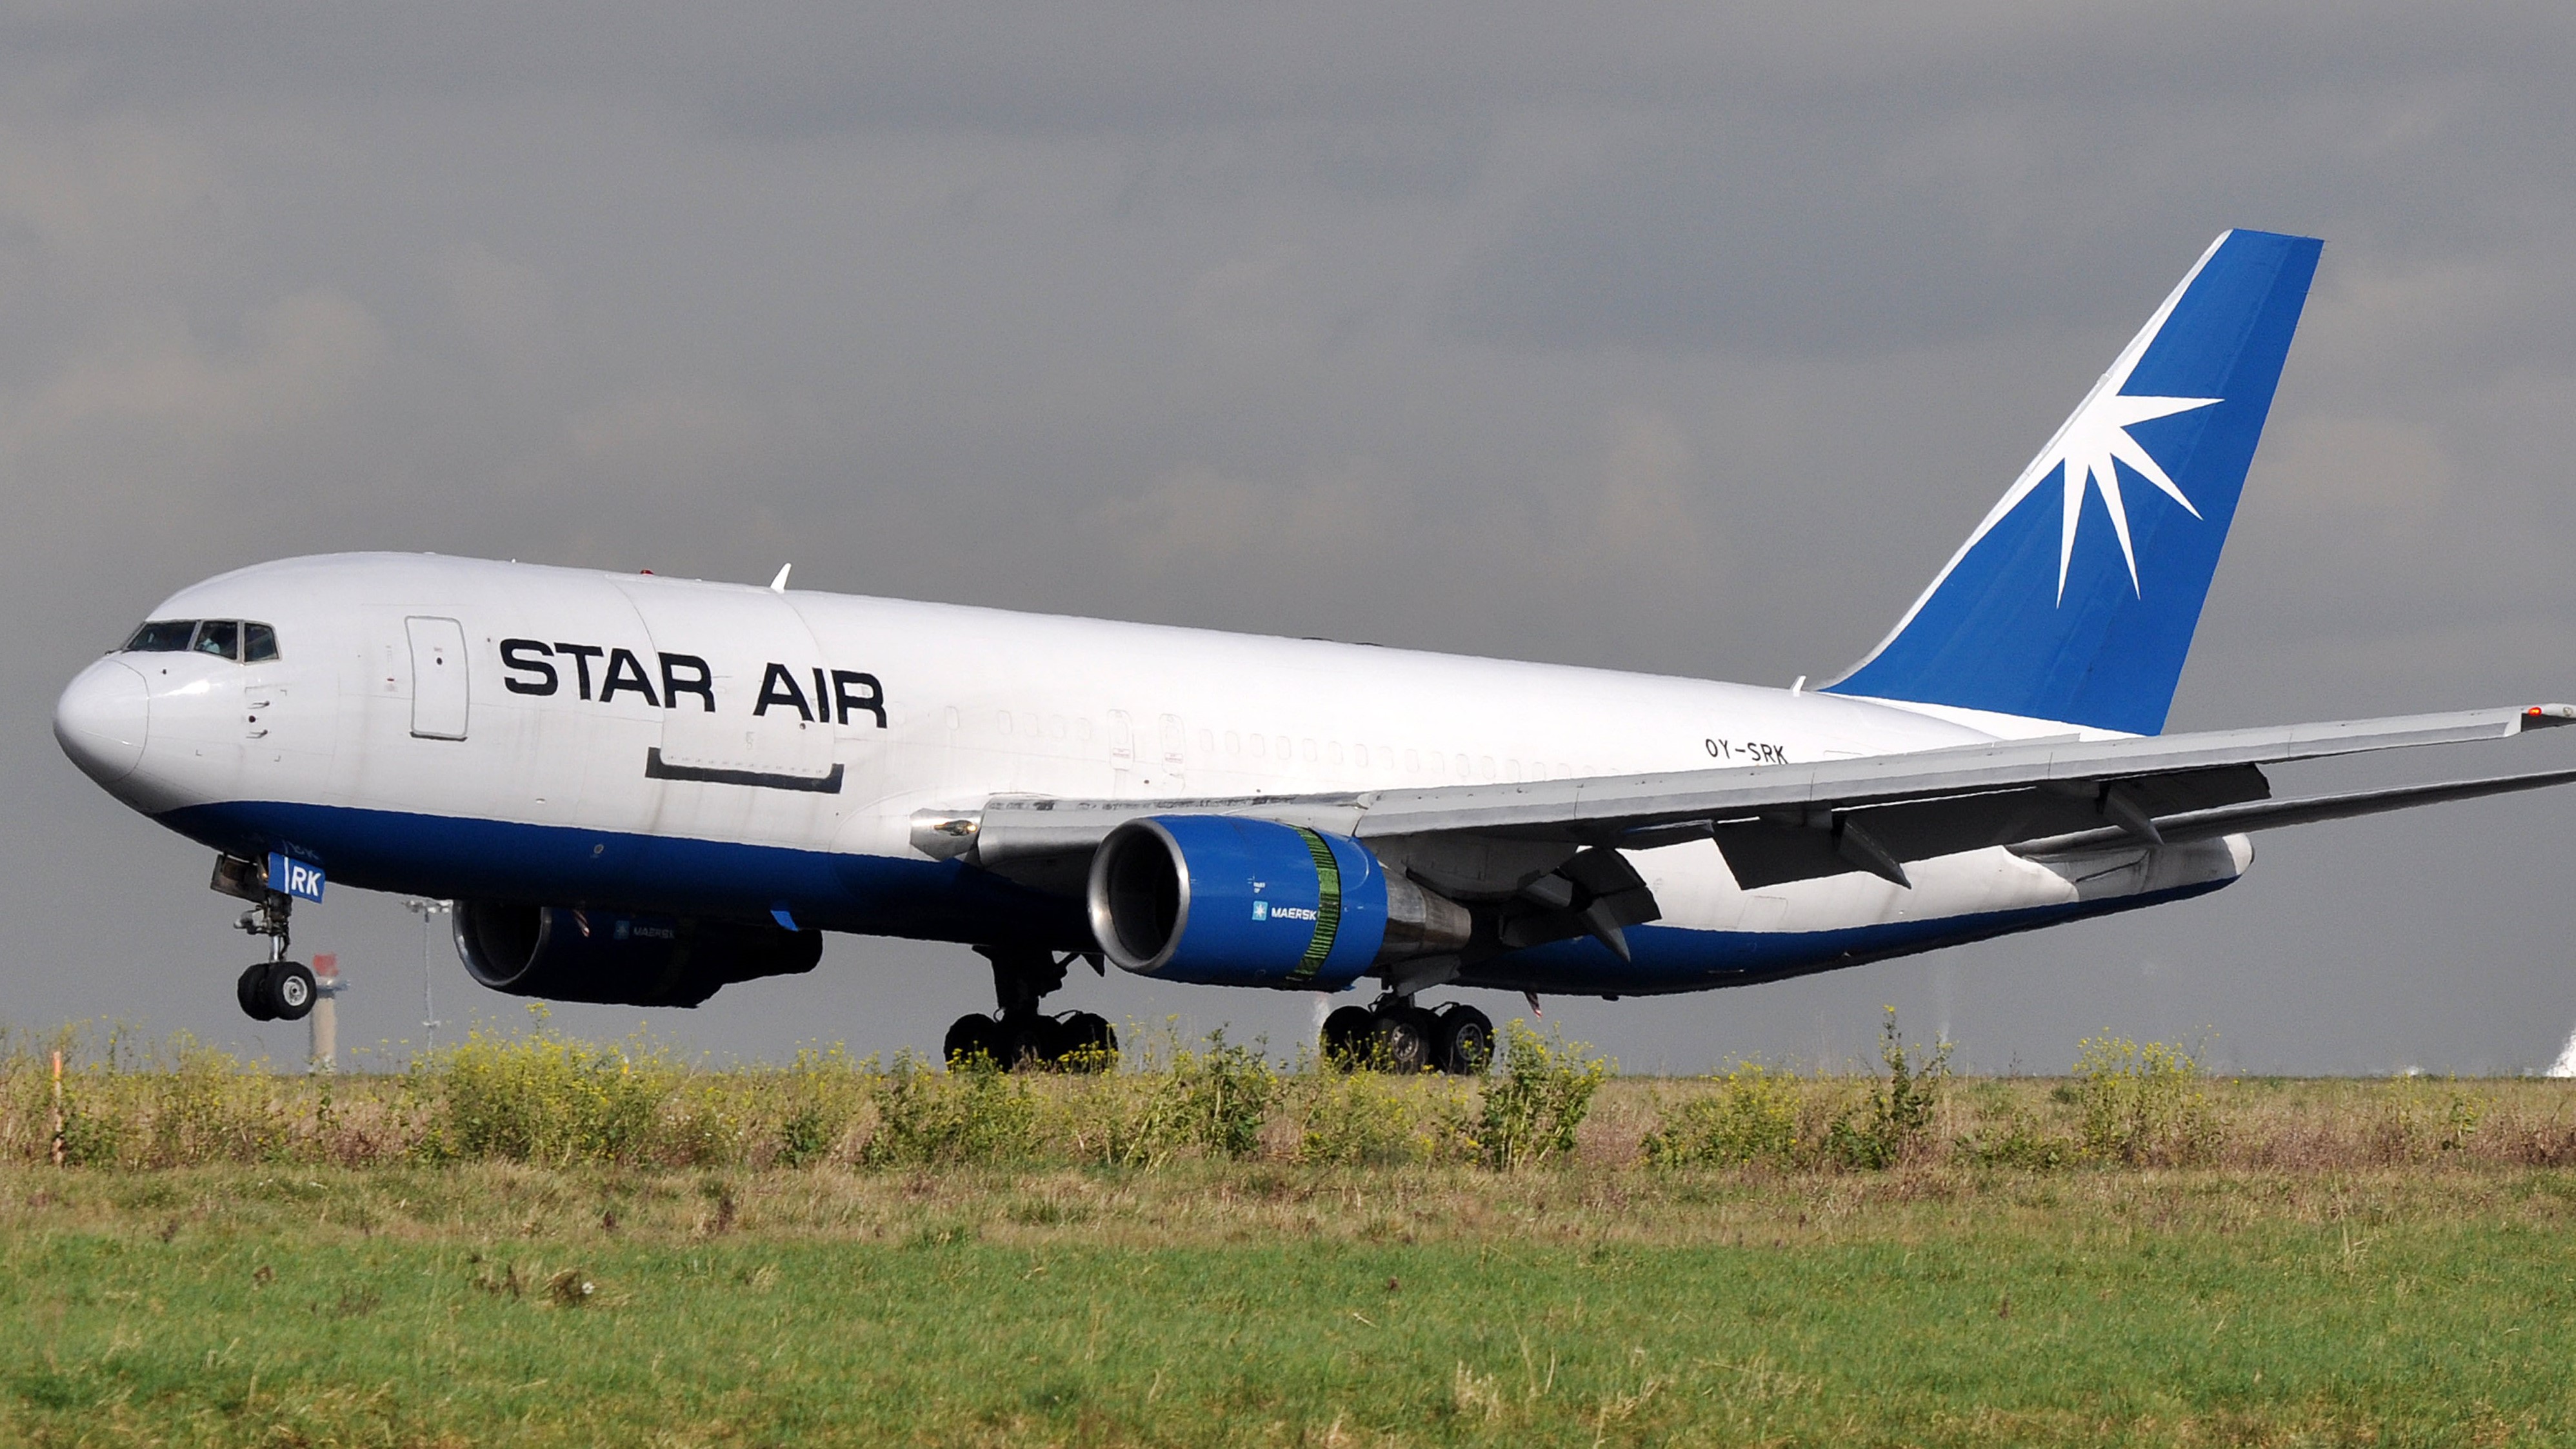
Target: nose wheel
x,y
1021,1035
275,989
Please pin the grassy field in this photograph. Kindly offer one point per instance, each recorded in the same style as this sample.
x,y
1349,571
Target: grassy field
x,y
1196,1252
1267,1303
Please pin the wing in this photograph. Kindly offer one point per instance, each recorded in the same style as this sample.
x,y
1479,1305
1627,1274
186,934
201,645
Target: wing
x,y
1923,803
1780,823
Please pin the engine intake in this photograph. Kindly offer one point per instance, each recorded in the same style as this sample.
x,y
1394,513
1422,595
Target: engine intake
x,y
620,959
1237,902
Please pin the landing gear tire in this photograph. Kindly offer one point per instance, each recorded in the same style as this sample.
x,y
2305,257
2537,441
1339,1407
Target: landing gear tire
x,y
290,991
276,991
1077,1040
1462,1041
1393,1037
252,992
1404,1038
1347,1037
1084,1042
972,1037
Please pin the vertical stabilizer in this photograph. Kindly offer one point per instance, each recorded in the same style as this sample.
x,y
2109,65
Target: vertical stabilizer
x,y
2076,598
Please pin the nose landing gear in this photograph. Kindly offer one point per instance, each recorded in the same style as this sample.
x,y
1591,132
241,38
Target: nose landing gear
x,y
1397,1036
1021,1035
275,989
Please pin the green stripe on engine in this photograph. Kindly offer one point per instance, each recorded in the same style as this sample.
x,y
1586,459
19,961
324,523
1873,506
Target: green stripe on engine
x,y
1328,905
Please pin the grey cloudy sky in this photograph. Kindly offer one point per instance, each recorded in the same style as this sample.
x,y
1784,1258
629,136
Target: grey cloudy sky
x,y
1668,337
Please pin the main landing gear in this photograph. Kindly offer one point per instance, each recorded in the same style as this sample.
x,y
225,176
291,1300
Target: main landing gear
x,y
1020,1035
275,989
1397,1036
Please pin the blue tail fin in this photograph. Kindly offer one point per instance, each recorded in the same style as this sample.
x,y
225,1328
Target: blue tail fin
x,y
2076,599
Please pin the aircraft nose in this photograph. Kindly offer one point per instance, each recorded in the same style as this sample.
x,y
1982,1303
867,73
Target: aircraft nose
x,y
103,719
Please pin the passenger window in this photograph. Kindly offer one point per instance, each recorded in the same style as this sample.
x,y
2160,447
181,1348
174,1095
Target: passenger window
x,y
259,642
219,637
162,636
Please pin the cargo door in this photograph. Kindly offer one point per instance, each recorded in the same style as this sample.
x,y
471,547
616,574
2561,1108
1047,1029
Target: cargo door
x,y
746,701
439,695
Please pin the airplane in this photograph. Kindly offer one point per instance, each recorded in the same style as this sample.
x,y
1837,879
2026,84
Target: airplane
x,y
640,790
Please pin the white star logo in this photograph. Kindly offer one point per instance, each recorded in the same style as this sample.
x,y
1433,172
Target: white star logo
x,y
2089,444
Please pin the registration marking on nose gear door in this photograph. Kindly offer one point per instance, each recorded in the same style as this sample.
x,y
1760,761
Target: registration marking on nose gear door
x,y
295,877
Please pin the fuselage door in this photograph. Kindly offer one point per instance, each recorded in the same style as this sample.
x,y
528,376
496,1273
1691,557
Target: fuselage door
x,y
438,687
746,696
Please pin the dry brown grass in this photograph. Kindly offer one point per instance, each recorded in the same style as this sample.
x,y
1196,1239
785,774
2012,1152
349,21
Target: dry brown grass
x,y
179,1104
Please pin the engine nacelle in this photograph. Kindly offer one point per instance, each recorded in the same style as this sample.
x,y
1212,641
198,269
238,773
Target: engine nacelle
x,y
1238,902
620,959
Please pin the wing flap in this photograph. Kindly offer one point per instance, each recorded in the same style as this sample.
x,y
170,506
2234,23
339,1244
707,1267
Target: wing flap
x,y
1780,846
2280,814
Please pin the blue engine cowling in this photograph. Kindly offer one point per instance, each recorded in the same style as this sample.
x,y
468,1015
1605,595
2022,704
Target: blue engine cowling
x,y
1229,901
618,958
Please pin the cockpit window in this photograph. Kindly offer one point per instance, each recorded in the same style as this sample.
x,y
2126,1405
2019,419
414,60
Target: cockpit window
x,y
162,636
219,637
222,638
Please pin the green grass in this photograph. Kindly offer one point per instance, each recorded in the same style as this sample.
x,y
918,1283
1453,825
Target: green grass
x,y
1263,1303
539,1240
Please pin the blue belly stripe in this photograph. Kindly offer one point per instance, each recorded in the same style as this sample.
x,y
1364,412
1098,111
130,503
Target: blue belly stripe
x,y
458,858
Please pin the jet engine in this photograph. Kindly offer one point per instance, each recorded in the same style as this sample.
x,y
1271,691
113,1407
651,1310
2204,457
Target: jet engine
x,y
1239,902
618,958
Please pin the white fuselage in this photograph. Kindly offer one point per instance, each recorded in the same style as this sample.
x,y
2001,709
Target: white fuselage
x,y
406,737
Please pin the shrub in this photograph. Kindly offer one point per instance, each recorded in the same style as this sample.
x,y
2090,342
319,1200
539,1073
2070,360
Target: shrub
x,y
976,1113
205,1108
2425,1121
2142,1105
823,1092
1750,1120
2018,1142
1877,1134
545,1099
1214,1101
1537,1101
1369,1118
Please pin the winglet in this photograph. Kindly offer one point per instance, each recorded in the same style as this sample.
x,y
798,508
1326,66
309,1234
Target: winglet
x,y
778,585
